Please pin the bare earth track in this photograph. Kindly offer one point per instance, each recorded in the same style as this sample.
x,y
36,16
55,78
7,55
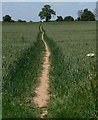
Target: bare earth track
x,y
42,93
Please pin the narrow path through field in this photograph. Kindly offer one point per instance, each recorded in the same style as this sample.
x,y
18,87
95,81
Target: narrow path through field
x,y
42,93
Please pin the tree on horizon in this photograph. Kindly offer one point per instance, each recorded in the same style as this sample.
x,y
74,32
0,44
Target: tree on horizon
x,y
87,15
59,18
7,18
46,13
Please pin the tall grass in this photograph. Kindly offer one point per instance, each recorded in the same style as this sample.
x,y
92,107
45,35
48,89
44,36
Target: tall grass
x,y
19,84
72,85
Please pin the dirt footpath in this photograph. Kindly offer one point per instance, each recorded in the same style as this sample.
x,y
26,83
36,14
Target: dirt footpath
x,y
42,94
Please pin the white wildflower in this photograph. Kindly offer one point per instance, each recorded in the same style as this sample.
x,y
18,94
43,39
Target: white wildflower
x,y
90,55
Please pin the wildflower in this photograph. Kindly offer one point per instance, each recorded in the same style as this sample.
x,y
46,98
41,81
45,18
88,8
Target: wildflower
x,y
90,55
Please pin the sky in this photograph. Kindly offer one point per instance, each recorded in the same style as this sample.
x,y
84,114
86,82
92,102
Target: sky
x,y
29,10
48,0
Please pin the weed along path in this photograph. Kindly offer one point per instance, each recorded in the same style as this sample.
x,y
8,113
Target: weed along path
x,y
42,93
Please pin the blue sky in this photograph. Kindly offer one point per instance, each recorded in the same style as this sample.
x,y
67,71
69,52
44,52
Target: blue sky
x,y
48,0
29,10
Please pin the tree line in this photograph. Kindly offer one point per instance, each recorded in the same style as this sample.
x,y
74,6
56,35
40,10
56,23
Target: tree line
x,y
7,18
46,14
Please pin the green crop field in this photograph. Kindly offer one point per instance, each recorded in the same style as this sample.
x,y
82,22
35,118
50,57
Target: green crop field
x,y
73,82
22,56
16,38
72,73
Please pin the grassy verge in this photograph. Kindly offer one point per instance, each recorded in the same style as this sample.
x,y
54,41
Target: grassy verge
x,y
72,92
19,84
